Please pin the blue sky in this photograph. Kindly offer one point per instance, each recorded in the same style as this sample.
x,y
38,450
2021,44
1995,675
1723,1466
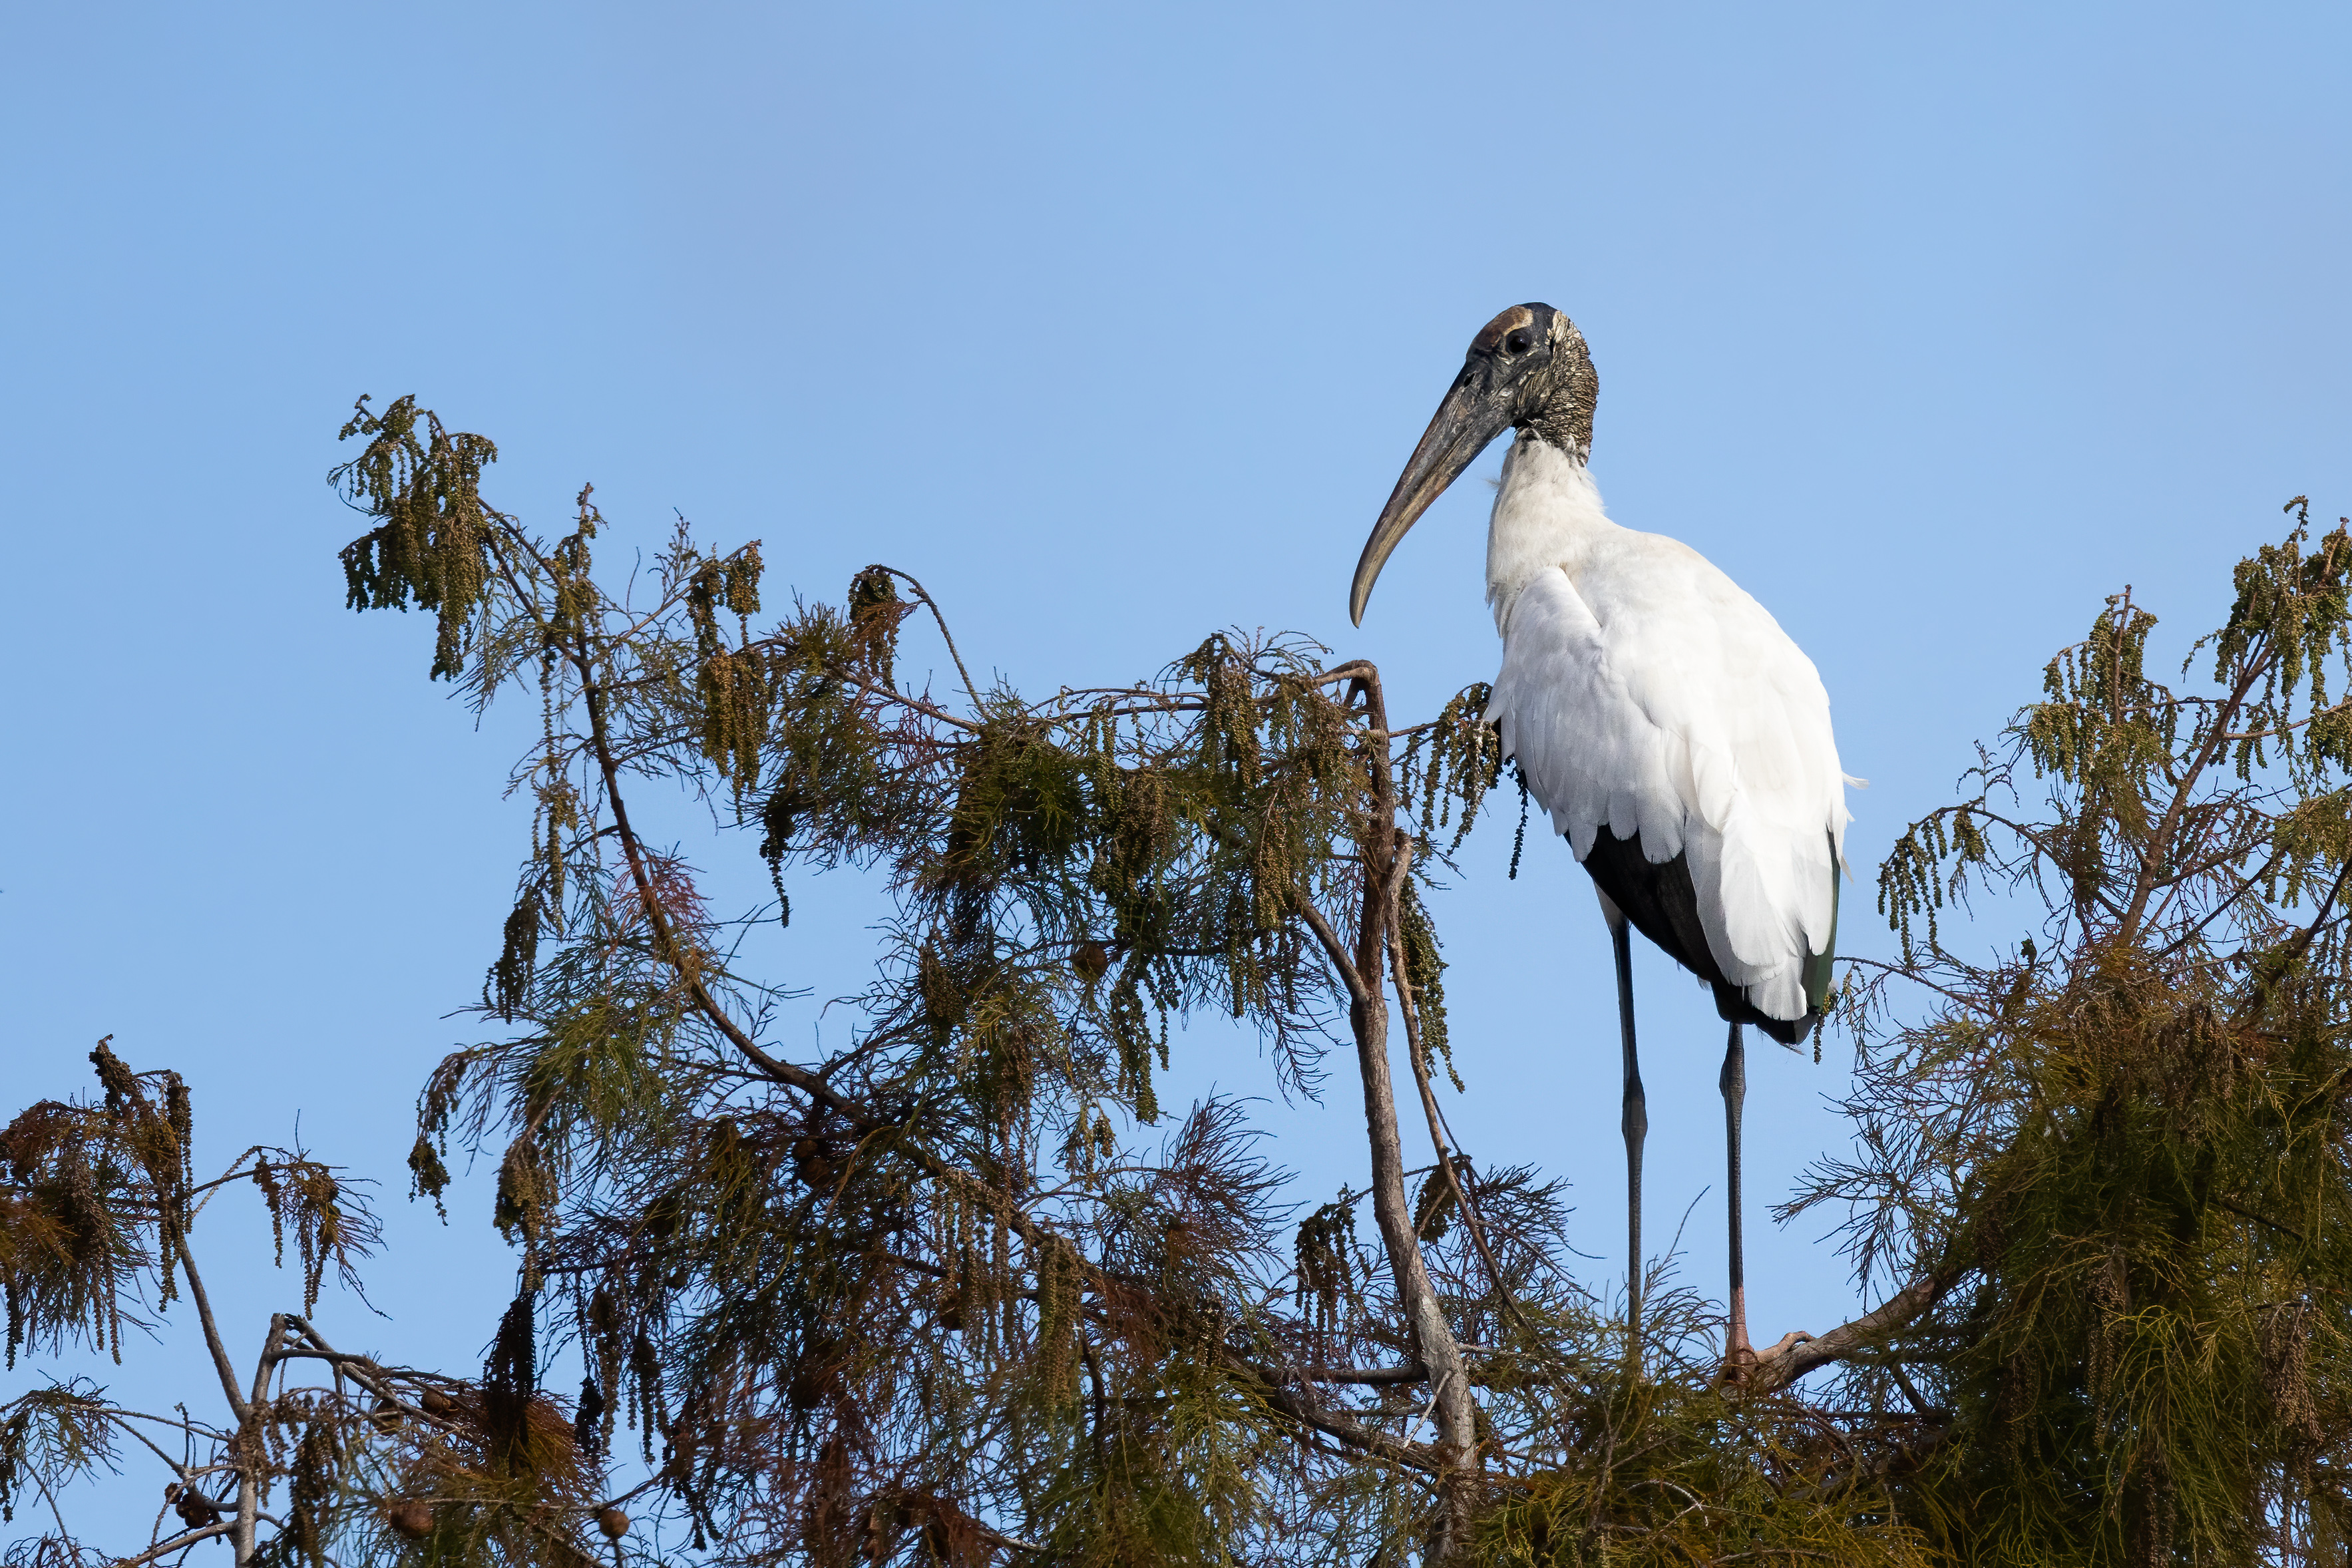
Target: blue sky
x,y
1114,325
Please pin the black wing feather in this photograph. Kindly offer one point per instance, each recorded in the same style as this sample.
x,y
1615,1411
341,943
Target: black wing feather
x,y
1660,900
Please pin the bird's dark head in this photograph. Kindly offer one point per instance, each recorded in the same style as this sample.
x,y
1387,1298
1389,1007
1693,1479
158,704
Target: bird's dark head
x,y
1533,364
1527,369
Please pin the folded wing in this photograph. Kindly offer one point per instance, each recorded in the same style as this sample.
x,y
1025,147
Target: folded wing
x,y
1649,697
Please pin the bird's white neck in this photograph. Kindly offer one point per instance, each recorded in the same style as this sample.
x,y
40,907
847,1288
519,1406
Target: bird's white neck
x,y
1547,515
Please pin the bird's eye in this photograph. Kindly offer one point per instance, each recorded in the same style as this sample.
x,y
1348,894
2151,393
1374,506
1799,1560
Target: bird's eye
x,y
1518,343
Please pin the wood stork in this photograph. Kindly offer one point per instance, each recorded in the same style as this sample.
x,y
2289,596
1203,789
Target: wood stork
x,y
1678,739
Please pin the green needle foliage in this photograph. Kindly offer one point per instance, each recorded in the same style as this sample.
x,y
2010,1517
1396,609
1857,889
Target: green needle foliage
x,y
2111,1163
966,1290
316,1456
934,1298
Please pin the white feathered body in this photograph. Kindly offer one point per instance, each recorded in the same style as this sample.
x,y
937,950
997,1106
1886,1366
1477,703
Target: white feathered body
x,y
1644,691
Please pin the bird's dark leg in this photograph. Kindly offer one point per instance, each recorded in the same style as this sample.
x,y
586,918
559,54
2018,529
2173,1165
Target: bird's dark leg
x,y
1636,1125
1737,1356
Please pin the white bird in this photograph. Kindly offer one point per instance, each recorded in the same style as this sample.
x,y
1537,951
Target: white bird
x,y
1677,737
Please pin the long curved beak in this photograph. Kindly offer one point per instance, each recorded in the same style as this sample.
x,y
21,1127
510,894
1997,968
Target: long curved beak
x,y
1471,416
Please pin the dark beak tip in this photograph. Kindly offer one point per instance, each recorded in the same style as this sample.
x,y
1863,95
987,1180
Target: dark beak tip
x,y
1465,423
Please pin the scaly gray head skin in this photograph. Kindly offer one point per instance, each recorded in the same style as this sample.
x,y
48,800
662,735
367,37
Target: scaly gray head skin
x,y
1527,369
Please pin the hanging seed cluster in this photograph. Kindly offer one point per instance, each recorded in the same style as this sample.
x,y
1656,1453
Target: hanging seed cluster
x,y
2145,1097
1061,1279
947,1281
731,677
1324,1265
94,1200
953,1268
1453,762
317,1466
880,1274
433,546
111,1181
1425,973
485,1474
1074,878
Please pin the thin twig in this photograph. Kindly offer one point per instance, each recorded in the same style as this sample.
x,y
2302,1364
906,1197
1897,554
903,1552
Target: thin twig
x,y
970,688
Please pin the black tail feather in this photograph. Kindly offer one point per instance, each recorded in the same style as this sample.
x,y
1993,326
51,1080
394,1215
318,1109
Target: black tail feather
x,y
1659,899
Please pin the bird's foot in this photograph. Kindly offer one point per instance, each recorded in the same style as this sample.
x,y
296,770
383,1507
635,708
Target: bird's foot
x,y
1739,1363
1738,1355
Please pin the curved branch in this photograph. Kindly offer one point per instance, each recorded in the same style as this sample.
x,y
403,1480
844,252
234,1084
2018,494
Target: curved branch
x,y
923,594
1333,949
189,1539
